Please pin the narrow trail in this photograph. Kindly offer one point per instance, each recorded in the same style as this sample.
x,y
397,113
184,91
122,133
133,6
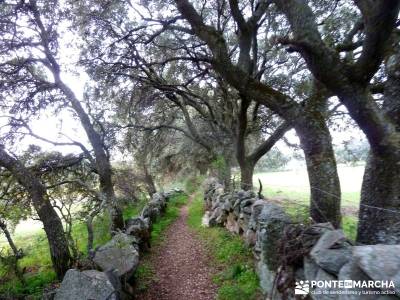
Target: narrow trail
x,y
182,269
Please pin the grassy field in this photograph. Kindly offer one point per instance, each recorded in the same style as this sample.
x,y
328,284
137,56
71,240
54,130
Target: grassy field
x,y
294,184
291,190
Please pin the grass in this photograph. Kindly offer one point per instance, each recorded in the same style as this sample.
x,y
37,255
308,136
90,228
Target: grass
x,y
145,272
37,261
291,189
236,279
300,213
193,183
133,210
294,184
349,226
302,194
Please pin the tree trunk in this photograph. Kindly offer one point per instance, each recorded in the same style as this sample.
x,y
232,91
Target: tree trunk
x,y
59,251
246,167
107,188
316,142
224,173
379,216
246,175
225,176
89,228
202,167
150,185
17,254
220,168
11,243
52,224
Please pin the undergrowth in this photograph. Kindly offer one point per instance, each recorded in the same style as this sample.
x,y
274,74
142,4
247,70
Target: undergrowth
x,y
37,262
236,279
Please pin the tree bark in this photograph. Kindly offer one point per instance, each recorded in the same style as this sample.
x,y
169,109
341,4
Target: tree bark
x,y
246,169
10,241
107,188
58,243
150,185
325,197
89,228
246,175
52,224
225,173
379,216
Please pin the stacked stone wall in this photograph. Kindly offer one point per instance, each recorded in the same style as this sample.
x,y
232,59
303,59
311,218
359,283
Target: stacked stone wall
x,y
290,254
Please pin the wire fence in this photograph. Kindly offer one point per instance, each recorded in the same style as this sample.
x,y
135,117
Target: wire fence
x,y
303,199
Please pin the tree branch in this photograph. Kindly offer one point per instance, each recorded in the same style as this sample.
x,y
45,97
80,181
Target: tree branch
x,y
270,142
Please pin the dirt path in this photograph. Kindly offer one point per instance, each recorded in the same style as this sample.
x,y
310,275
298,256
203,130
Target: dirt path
x,y
181,265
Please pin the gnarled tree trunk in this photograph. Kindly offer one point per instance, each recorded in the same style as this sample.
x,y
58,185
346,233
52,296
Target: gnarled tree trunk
x,y
107,188
325,197
58,243
379,216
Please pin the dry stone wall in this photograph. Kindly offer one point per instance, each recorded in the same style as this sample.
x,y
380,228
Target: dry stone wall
x,y
312,257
